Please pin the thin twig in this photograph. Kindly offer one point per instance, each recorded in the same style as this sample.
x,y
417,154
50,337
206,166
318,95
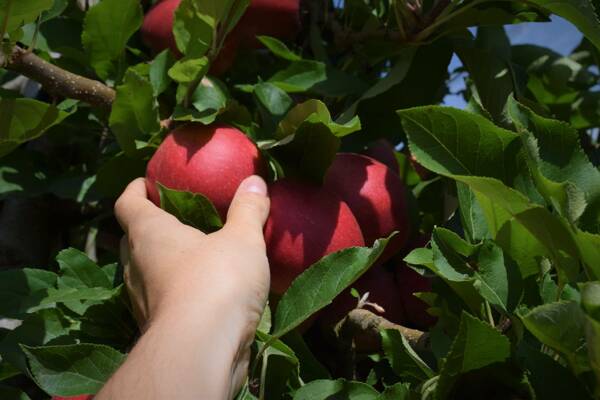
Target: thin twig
x,y
58,81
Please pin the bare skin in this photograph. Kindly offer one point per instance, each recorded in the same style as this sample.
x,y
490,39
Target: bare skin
x,y
197,297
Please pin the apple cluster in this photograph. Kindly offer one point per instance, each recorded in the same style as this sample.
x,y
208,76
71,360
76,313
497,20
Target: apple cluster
x,y
360,201
277,18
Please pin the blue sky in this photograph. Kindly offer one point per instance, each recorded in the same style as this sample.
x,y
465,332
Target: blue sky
x,y
558,35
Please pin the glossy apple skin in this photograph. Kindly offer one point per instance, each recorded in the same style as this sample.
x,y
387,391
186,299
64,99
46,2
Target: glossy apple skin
x,y
383,151
277,18
376,196
306,222
410,282
157,29
383,291
211,160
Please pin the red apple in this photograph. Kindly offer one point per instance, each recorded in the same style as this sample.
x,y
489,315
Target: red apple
x,y
380,284
410,282
376,196
277,18
306,222
211,160
383,151
157,29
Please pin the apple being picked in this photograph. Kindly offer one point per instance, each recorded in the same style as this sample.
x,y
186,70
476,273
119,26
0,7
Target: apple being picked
x,y
277,18
211,160
376,196
306,222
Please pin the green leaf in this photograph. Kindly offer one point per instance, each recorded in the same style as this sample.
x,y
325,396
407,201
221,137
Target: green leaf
x,y
18,286
321,283
487,59
561,159
107,28
192,209
498,279
592,333
278,48
134,113
471,214
196,24
449,141
22,120
209,100
308,153
37,329
78,271
314,111
159,71
274,104
300,76
310,367
73,369
396,75
9,393
550,379
580,13
188,70
403,359
590,299
21,12
399,391
560,326
338,389
475,346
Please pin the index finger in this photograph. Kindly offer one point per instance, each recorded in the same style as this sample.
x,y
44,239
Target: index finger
x,y
133,204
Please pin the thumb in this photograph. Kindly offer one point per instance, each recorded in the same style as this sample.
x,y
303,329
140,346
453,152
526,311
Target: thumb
x,y
249,208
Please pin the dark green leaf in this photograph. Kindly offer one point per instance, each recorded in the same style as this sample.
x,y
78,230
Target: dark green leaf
x,y
78,271
561,159
279,48
9,393
22,120
134,112
21,12
37,329
475,346
560,326
192,209
399,391
73,369
321,283
106,31
339,389
451,141
18,286
159,71
403,359
300,76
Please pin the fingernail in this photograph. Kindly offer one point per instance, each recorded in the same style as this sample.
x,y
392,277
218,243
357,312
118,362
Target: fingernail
x,y
254,184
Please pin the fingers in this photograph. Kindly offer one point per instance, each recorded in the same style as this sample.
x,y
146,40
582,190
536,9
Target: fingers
x,y
249,209
133,205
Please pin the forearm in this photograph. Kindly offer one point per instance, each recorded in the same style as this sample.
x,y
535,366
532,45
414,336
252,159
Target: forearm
x,y
184,354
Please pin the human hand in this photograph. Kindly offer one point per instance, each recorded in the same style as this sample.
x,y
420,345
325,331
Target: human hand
x,y
175,273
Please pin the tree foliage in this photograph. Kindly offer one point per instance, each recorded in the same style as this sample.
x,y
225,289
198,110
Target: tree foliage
x,y
508,189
